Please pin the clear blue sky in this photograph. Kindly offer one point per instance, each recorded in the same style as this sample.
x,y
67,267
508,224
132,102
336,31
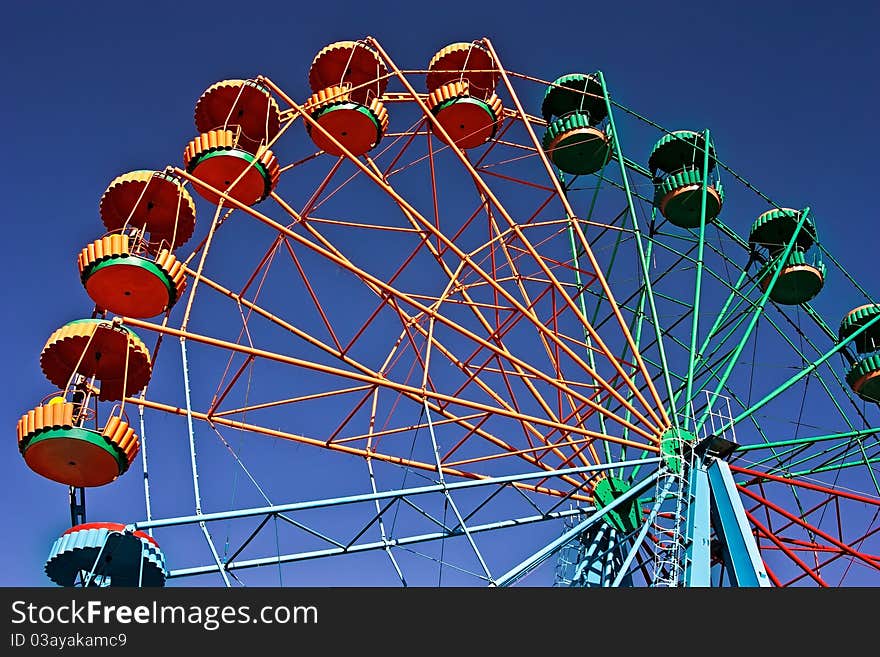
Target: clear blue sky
x,y
95,89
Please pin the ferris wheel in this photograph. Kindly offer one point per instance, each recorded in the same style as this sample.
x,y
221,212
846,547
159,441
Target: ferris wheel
x,y
458,325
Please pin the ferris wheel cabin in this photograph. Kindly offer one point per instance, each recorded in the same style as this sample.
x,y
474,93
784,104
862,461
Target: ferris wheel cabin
x,y
461,83
216,159
243,106
153,202
347,79
574,108
801,276
105,554
677,163
864,374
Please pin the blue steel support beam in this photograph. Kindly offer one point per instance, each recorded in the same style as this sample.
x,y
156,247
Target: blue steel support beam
x,y
697,572
623,578
369,497
601,558
192,437
374,545
590,568
546,552
613,559
402,494
745,566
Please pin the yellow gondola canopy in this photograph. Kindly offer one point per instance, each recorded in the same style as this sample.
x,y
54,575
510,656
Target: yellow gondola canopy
x,y
111,353
353,63
464,61
154,201
243,106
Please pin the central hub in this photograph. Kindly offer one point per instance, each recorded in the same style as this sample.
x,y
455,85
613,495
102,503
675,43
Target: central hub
x,y
625,516
673,444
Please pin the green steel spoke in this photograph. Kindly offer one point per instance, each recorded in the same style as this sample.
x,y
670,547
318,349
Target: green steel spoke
x,y
825,452
817,318
618,151
637,336
867,462
656,365
678,342
806,306
756,314
711,360
695,313
672,299
839,466
733,396
719,319
825,465
675,300
613,258
779,457
846,274
581,298
857,433
638,168
795,493
846,452
640,290
636,340
723,313
806,371
845,388
744,299
804,358
739,321
728,390
739,240
635,327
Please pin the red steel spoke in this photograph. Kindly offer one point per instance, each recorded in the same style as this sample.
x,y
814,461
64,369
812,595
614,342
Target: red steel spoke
x,y
437,126
802,484
311,291
791,555
810,528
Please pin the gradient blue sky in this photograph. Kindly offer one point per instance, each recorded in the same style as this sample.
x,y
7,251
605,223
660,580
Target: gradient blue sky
x,y
94,89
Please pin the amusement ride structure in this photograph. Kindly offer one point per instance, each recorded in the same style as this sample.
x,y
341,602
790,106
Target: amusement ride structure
x,y
458,325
